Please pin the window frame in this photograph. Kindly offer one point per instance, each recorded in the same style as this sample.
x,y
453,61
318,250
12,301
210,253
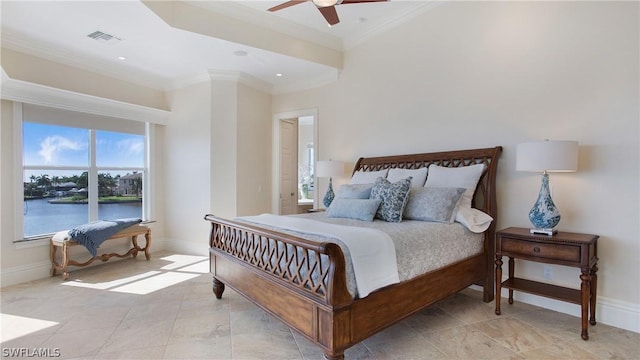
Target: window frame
x,y
93,169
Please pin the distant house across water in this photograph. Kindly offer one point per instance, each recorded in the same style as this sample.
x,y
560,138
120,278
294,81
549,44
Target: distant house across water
x,y
127,183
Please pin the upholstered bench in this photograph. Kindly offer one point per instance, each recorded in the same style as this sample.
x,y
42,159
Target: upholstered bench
x,y
62,240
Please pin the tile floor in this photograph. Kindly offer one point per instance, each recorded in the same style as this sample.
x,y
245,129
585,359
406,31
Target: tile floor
x,y
164,309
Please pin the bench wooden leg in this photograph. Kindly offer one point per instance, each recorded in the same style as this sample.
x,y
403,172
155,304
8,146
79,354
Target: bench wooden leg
x,y
147,237
52,253
135,248
65,261
147,245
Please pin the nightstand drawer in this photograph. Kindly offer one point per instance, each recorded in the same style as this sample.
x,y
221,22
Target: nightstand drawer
x,y
539,250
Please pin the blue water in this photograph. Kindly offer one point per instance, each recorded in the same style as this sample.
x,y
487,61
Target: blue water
x,y
43,218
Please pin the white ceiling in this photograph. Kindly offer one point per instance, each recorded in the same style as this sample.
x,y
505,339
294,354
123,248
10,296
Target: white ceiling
x,y
163,57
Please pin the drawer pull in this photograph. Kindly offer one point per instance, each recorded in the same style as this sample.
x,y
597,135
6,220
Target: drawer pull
x,y
536,249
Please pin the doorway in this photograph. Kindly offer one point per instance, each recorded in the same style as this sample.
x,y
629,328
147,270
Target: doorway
x,y
294,159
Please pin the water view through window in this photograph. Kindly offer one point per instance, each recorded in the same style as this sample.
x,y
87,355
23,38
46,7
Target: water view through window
x,y
59,176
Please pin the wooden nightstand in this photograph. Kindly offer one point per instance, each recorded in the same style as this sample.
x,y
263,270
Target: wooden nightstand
x,y
563,248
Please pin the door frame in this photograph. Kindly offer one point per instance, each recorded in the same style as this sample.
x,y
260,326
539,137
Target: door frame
x,y
275,158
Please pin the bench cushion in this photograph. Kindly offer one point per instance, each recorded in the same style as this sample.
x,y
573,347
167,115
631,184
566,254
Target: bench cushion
x,y
61,237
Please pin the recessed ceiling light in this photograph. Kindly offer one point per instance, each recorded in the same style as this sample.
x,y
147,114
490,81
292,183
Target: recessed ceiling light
x,y
122,58
278,75
240,53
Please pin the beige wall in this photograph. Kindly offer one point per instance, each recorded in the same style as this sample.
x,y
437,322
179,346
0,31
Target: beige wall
x,y
39,71
479,74
217,159
254,151
186,142
224,148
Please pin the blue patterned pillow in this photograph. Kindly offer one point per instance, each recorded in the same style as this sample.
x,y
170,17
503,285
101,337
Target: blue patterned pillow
x,y
359,209
394,198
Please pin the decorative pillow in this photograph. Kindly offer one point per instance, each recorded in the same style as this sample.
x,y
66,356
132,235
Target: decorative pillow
x,y
359,209
354,191
465,177
419,175
394,198
433,204
474,219
367,177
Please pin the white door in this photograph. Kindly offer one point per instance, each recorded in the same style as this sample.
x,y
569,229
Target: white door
x,y
288,166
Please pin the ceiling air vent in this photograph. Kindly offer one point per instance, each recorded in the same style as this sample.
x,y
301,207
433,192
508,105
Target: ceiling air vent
x,y
104,37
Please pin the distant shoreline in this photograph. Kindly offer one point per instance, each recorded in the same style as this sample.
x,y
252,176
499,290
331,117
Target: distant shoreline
x,y
86,201
63,201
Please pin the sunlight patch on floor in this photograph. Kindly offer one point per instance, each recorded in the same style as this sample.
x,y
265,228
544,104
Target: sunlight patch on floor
x,y
154,283
111,284
12,326
182,268
201,267
179,261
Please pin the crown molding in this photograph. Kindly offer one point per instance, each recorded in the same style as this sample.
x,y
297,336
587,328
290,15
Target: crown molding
x,y
43,50
249,15
22,91
351,42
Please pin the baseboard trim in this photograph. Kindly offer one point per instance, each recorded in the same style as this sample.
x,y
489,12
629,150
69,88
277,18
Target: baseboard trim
x,y
24,273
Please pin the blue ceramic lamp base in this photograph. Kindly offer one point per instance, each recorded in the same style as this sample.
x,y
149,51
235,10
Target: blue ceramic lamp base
x,y
544,215
328,197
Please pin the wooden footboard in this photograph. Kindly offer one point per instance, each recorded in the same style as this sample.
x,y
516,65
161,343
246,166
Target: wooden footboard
x,y
304,283
300,282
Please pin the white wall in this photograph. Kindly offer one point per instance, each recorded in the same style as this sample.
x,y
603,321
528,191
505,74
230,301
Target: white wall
x,y
186,143
480,74
253,152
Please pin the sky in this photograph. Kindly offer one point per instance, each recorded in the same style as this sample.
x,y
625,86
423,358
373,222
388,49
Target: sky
x,y
51,145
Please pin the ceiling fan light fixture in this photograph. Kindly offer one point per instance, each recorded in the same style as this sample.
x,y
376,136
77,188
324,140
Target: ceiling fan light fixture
x,y
325,3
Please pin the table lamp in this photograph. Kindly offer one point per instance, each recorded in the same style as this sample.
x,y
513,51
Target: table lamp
x,y
546,156
329,169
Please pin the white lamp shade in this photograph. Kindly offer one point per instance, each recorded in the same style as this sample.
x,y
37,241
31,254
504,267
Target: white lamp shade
x,y
329,168
555,156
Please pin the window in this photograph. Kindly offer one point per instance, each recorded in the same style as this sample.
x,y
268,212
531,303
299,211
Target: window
x,y
78,168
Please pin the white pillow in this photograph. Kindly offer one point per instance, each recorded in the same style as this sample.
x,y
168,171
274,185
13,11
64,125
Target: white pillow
x,y
418,175
474,219
368,177
465,177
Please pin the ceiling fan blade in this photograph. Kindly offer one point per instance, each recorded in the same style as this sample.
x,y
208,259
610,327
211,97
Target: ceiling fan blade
x,y
330,14
286,5
360,1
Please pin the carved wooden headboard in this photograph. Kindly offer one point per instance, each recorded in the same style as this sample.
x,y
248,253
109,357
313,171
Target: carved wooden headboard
x,y
485,195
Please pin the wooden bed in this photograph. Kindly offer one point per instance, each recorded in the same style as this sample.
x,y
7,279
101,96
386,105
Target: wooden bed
x,y
315,301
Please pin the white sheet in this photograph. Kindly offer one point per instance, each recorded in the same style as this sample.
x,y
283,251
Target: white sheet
x,y
373,254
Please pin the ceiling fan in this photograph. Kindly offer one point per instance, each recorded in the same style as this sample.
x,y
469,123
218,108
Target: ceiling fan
x,y
326,7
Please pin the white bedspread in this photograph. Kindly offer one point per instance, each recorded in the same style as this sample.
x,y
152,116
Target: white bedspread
x,y
373,254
